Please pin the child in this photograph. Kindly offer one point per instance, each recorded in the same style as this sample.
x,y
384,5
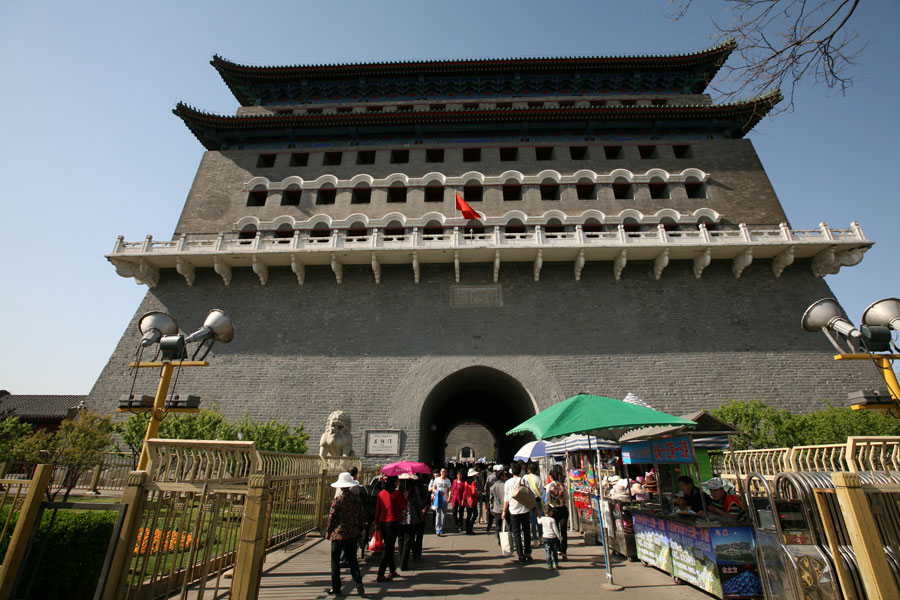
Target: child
x,y
550,538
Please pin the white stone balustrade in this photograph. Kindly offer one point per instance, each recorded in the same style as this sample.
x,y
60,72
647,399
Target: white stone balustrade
x,y
829,249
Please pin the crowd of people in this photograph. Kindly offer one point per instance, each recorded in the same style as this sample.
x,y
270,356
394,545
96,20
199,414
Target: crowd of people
x,y
514,501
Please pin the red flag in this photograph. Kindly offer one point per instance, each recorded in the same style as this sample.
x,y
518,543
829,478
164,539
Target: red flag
x,y
465,208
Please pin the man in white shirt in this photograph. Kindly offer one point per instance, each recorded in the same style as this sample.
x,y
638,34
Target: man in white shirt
x,y
440,491
519,516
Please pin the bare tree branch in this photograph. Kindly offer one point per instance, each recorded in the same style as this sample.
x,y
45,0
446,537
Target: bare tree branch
x,y
783,43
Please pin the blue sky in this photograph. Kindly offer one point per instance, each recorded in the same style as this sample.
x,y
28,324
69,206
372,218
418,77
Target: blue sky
x,y
90,150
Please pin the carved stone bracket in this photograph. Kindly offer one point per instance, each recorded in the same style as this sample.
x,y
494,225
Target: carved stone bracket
x,y
579,264
261,269
496,266
829,262
338,268
376,268
538,263
223,269
701,261
660,263
144,272
185,269
782,260
741,262
298,268
619,264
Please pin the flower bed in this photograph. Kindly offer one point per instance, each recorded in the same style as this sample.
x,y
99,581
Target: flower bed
x,y
162,541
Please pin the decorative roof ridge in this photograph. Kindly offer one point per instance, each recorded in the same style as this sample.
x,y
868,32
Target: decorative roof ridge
x,y
727,45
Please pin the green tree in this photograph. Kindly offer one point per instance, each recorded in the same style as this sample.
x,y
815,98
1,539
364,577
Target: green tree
x,y
272,435
833,425
79,445
762,425
12,431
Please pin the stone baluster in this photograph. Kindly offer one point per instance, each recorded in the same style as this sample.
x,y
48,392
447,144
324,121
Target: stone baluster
x,y
295,241
257,241
826,231
377,240
663,234
497,235
539,238
120,245
148,244
456,236
745,232
786,232
415,237
857,230
220,241
182,243
579,234
622,237
704,232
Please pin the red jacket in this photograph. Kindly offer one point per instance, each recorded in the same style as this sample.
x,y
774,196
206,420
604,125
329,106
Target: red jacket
x,y
389,506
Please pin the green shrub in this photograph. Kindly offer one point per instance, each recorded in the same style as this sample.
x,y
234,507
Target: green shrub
x,y
68,565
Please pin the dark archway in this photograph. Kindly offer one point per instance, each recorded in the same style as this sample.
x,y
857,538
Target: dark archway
x,y
479,395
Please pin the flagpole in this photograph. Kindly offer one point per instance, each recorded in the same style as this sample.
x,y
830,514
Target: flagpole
x,y
610,585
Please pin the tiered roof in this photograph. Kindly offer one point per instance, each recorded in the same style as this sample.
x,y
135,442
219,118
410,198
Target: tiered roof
x,y
249,83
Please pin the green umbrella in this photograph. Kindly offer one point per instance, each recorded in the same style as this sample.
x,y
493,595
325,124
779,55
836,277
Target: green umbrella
x,y
601,417
594,415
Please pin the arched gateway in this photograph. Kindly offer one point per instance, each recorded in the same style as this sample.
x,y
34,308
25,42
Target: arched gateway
x,y
477,394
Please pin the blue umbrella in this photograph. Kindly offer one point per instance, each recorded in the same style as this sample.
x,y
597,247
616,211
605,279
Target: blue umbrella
x,y
532,450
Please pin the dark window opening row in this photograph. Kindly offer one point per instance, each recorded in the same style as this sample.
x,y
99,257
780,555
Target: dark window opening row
x,y
507,154
474,192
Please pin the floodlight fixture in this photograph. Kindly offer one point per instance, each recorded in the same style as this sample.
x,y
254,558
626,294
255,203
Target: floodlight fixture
x,y
217,327
825,315
884,313
173,347
155,324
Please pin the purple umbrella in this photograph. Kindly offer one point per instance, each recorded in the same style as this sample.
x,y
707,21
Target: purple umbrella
x,y
405,466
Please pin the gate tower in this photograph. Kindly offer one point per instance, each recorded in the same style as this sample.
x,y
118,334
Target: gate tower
x,y
629,241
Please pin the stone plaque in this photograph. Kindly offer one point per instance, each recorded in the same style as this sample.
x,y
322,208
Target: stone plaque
x,y
382,442
476,295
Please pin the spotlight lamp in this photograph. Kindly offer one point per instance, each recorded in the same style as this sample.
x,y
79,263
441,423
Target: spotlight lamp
x,y
153,325
217,326
826,316
884,313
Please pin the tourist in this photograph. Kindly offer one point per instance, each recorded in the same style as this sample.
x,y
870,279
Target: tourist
x,y
533,482
724,504
457,498
368,503
495,499
550,537
557,499
491,480
412,523
470,499
345,521
518,515
440,494
389,509
691,494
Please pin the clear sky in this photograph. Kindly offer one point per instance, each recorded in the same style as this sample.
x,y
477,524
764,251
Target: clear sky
x,y
89,148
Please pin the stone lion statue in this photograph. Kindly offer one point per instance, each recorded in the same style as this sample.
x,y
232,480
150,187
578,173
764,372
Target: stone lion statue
x,y
337,439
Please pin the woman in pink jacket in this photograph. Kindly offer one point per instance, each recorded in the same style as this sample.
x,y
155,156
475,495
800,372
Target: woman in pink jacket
x,y
457,499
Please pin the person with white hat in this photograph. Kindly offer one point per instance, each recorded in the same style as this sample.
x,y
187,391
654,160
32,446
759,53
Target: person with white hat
x,y
724,504
345,522
470,499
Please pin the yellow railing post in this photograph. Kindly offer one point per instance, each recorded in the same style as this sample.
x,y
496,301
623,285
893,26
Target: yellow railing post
x,y
95,478
320,499
133,496
251,547
864,537
25,525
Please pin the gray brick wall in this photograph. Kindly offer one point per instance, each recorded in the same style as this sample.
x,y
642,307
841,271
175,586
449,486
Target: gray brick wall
x,y
379,351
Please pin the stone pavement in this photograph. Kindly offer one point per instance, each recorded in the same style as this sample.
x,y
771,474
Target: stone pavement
x,y
457,565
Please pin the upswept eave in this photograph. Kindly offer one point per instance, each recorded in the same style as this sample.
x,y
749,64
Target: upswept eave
x,y
237,75
746,113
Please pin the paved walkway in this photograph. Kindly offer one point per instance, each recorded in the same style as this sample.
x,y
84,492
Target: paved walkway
x,y
456,565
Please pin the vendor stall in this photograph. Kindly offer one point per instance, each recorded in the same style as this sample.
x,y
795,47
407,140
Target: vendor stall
x,y
713,552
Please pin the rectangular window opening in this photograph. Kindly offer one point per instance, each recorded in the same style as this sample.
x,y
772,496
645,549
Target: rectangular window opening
x,y
509,154
598,103
314,111
695,189
299,159
399,157
344,110
566,103
543,153
290,197
374,109
658,191
331,159
628,102
470,106
535,105
266,161
437,107
659,102
586,191
682,151
647,151
326,196
473,193
612,152
471,154
434,193
361,195
434,155
404,108
397,193
549,191
502,105
365,157
512,192
622,191
578,152
257,198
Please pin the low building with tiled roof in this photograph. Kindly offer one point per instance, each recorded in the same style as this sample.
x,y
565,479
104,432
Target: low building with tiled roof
x,y
43,411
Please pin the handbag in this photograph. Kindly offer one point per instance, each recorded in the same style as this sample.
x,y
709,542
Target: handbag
x,y
506,545
376,544
524,497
